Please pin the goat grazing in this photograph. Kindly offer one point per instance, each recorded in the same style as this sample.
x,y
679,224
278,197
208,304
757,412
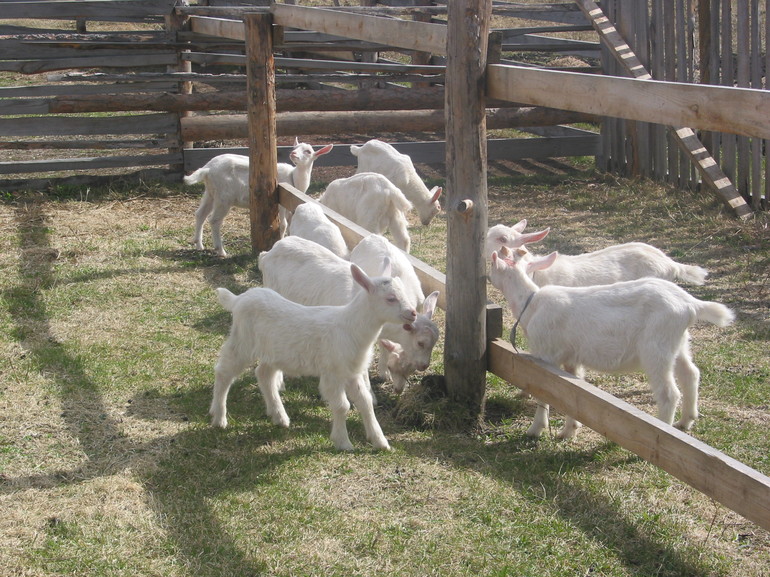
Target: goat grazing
x,y
333,343
622,327
381,157
293,260
409,348
226,181
373,202
310,222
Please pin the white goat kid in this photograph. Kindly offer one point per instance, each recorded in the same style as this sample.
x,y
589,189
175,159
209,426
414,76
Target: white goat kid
x,y
403,349
333,343
628,261
293,260
381,157
310,222
226,181
626,326
373,202
512,237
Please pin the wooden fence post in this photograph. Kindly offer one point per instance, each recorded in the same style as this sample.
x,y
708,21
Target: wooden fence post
x,y
263,146
466,203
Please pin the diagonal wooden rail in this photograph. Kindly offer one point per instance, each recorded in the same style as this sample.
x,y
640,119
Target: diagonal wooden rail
x,y
686,138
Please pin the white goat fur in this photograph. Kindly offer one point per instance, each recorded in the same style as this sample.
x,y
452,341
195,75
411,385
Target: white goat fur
x,y
623,327
310,222
615,263
411,348
287,267
373,202
333,343
381,157
226,181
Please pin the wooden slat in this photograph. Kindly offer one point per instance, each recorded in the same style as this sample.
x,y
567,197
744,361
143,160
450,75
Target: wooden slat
x,y
405,34
722,108
735,485
103,10
60,126
685,138
94,163
132,61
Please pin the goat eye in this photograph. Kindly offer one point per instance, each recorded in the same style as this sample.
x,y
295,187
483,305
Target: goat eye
x,y
392,299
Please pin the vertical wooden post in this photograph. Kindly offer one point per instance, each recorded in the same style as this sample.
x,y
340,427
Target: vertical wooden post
x,y
466,205
263,147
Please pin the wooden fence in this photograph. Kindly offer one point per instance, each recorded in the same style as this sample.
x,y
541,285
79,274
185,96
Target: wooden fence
x,y
744,112
143,75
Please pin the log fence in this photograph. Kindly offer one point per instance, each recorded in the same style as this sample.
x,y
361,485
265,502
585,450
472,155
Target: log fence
x,y
741,112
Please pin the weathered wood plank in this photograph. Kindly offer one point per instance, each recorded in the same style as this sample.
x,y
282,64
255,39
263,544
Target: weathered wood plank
x,y
102,10
741,488
224,127
721,108
69,126
94,163
406,34
132,61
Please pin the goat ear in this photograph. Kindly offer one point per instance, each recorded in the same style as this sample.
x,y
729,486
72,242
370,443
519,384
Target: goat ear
x,y
390,345
532,237
436,191
520,226
429,304
361,278
543,262
325,150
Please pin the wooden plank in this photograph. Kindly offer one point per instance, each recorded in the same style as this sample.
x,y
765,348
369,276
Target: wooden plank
x,y
133,61
430,152
406,34
685,138
102,10
738,487
80,125
94,163
727,109
227,126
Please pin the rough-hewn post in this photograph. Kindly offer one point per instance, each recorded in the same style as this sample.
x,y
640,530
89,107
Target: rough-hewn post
x,y
263,147
466,203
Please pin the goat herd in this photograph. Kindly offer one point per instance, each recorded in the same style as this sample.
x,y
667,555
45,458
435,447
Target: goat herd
x,y
325,305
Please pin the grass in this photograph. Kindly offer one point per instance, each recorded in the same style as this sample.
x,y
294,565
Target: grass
x,y
109,330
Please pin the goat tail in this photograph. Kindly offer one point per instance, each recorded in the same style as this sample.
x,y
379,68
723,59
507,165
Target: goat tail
x,y
226,299
354,150
691,274
197,176
714,313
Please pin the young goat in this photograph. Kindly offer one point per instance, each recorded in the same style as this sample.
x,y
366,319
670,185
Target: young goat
x,y
292,260
628,261
373,202
403,350
333,343
226,180
310,222
627,326
378,156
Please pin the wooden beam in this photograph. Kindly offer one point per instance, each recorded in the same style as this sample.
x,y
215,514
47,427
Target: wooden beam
x,y
719,108
738,487
263,146
406,34
465,342
685,138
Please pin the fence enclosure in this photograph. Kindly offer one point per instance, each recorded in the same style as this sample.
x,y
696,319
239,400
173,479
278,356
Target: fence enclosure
x,y
720,109
167,86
